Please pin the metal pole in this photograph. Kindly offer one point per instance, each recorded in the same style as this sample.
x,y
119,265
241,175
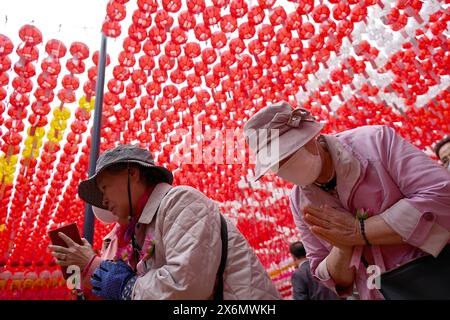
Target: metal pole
x,y
88,227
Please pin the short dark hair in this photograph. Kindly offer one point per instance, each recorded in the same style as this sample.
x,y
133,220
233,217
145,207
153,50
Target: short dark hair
x,y
297,250
151,177
440,144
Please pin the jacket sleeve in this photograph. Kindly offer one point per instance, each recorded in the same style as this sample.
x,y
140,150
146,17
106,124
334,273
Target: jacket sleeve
x,y
192,249
316,251
422,217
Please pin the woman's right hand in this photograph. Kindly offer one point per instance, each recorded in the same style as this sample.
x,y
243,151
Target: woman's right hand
x,y
74,254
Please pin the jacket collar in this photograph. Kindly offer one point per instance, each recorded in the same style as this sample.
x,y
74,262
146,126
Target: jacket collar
x,y
153,202
349,167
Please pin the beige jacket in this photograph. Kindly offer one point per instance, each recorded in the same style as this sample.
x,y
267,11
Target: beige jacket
x,y
187,252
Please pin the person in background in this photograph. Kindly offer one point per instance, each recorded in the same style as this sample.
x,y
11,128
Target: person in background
x,y
442,150
304,286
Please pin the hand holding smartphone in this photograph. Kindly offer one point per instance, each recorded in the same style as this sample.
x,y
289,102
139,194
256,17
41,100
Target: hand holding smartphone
x,y
71,230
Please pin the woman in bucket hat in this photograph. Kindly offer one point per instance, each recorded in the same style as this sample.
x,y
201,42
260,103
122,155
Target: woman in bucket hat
x,y
168,242
363,197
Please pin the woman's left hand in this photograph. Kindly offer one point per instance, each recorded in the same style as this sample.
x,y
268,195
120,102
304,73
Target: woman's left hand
x,y
74,254
339,228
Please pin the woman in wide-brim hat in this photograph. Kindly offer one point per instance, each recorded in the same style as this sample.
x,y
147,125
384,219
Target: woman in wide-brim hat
x,y
361,197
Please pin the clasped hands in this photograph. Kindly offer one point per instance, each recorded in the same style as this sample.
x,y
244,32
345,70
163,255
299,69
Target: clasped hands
x,y
339,228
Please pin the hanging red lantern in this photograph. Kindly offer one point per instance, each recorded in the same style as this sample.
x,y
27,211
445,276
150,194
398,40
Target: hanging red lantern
x,y
126,59
193,80
148,6
70,82
55,48
192,49
146,62
201,68
4,79
95,58
295,46
165,62
278,16
306,31
111,29
5,64
137,33
133,90
273,48
157,35
178,35
30,35
121,73
305,6
293,21
172,49
266,33
238,8
170,91
159,75
151,49
6,45
227,58
153,88
28,53
185,63
327,27
211,16
163,20
171,5
75,66
186,20
52,66
130,45
256,15
47,81
177,76
359,13
196,6
79,50
115,86
127,103
66,96
344,28
237,46
246,31
209,55
320,13
341,11
22,85
18,101
139,77
115,11
142,18
255,47
186,93
218,40
110,99
202,32
228,23
283,35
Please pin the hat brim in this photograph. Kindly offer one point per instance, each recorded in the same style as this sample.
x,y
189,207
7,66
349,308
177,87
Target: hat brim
x,y
288,144
90,193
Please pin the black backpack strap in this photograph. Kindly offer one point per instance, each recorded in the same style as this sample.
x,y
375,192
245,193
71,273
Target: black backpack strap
x,y
218,295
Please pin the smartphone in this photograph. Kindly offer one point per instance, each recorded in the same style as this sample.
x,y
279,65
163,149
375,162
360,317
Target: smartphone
x,y
71,230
